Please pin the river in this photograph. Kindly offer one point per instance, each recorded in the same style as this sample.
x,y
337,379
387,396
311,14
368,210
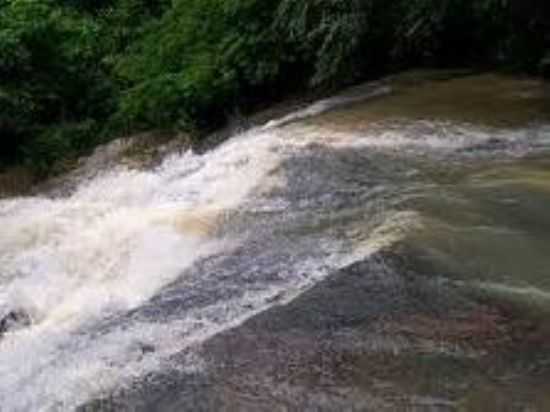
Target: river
x,y
384,249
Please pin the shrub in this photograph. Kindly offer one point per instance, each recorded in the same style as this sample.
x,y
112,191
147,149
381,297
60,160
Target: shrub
x,y
126,65
49,58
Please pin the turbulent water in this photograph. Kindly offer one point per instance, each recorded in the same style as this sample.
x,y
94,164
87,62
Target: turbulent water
x,y
230,280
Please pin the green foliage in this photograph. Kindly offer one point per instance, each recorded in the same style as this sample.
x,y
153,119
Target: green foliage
x,y
49,58
338,38
52,147
504,32
198,59
75,71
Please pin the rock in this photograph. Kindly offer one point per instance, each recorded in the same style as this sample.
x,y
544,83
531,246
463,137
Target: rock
x,y
14,320
146,348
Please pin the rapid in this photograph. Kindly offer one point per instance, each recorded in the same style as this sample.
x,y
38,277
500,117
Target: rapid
x,y
374,251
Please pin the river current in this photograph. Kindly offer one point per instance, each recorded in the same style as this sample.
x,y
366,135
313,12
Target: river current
x,y
384,249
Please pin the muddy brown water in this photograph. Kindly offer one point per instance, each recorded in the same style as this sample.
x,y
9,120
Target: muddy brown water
x,y
455,316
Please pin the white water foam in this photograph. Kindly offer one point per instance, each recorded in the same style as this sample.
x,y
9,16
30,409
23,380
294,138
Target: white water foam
x,y
112,245
355,95
426,137
106,249
527,294
121,236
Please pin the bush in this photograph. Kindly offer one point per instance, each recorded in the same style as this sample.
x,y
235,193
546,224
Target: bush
x,y
200,58
50,60
52,148
130,65
340,39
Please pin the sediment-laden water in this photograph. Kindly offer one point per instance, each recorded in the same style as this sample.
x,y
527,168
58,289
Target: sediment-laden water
x,y
386,249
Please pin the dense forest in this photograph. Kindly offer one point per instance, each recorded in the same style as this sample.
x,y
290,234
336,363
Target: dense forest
x,y
78,72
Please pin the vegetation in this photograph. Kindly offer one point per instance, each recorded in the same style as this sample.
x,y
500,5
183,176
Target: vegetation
x,y
76,72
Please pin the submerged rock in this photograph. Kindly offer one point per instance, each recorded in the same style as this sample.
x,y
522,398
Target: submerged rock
x,y
14,320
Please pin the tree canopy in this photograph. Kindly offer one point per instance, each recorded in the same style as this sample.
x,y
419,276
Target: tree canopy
x,y
76,72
